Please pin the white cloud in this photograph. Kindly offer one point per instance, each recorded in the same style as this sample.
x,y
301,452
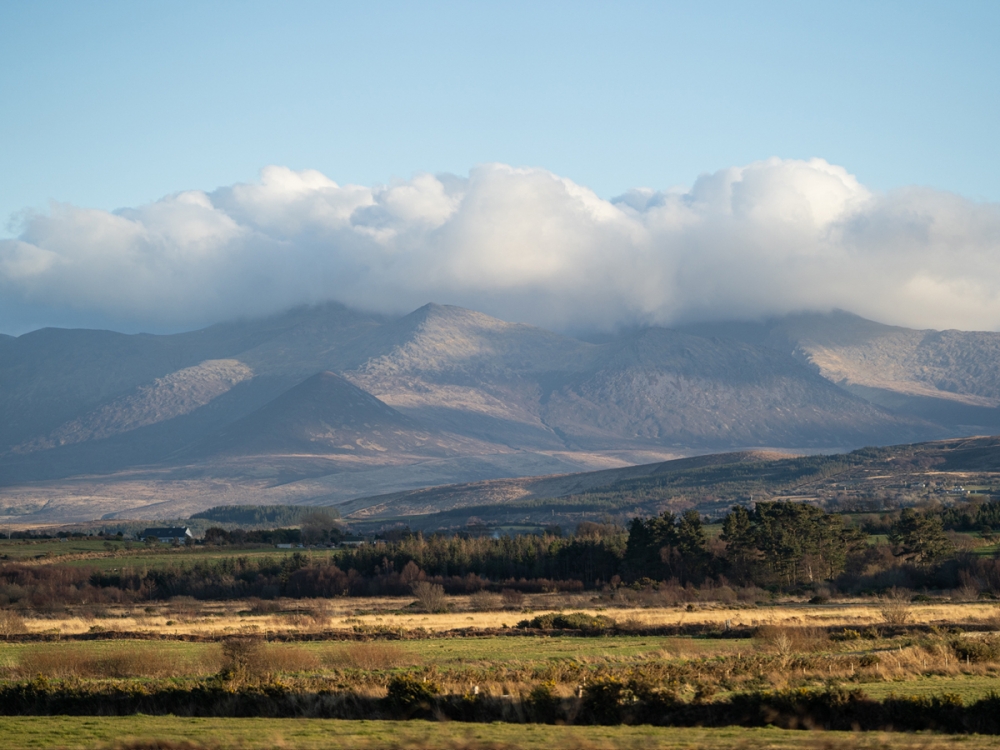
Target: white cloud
x,y
524,244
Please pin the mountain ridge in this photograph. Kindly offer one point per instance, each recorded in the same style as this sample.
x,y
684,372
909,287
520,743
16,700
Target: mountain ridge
x,y
98,409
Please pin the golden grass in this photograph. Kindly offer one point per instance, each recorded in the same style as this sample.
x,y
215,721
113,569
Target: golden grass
x,y
396,615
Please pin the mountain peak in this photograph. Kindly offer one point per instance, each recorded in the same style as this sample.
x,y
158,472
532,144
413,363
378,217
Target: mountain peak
x,y
323,414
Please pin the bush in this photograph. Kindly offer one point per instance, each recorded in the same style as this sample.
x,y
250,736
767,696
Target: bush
x,y
869,660
11,623
605,700
786,640
485,601
244,660
976,650
543,704
847,634
511,599
430,596
895,607
407,692
115,661
569,621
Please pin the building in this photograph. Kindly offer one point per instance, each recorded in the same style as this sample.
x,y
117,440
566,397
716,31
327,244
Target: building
x,y
168,535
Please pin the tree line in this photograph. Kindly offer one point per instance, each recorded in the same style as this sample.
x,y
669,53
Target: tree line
x,y
781,546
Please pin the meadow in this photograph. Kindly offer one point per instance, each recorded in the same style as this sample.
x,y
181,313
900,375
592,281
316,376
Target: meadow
x,y
168,732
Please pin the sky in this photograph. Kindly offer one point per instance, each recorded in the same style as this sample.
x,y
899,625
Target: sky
x,y
167,165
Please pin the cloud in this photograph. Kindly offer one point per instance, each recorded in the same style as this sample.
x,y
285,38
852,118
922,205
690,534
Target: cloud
x,y
524,244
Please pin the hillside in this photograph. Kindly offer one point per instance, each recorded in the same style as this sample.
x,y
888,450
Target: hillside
x,y
100,420
863,480
323,415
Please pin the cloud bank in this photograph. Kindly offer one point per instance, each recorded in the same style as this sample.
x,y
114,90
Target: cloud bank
x,y
524,244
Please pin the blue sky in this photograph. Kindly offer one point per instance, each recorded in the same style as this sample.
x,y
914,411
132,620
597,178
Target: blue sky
x,y
117,104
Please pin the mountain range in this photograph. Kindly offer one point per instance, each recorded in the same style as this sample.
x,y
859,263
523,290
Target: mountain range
x,y
327,404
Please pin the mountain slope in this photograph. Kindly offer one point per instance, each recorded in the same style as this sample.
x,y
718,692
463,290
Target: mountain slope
x,y
948,377
483,398
671,388
324,414
866,480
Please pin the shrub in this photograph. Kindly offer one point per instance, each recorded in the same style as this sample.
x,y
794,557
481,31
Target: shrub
x,y
847,634
287,658
569,621
605,700
895,607
485,601
786,640
512,599
430,596
543,704
11,623
976,650
244,660
261,607
115,661
407,692
869,660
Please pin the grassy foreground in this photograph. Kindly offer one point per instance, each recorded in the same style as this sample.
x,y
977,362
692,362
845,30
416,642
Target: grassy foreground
x,y
246,734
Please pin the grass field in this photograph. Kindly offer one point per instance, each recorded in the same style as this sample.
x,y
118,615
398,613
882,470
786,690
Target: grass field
x,y
101,555
306,734
388,615
792,650
357,646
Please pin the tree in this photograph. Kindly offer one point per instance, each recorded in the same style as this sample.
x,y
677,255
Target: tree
x,y
919,537
787,543
665,547
319,526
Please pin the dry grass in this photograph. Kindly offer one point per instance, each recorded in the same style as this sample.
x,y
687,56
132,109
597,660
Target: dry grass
x,y
370,655
390,614
785,640
115,661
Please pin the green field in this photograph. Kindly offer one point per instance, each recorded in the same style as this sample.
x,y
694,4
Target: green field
x,y
101,555
143,731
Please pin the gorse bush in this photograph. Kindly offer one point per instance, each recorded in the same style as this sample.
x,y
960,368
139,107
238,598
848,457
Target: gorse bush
x,y
977,650
407,692
244,661
543,705
569,621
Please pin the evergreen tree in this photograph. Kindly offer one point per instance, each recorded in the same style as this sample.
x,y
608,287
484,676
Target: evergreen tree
x,y
919,537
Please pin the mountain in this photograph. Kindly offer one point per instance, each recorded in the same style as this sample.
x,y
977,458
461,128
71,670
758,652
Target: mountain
x,y
325,414
261,410
950,378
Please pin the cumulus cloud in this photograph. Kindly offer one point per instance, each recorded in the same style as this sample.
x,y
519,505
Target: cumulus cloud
x,y
524,244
